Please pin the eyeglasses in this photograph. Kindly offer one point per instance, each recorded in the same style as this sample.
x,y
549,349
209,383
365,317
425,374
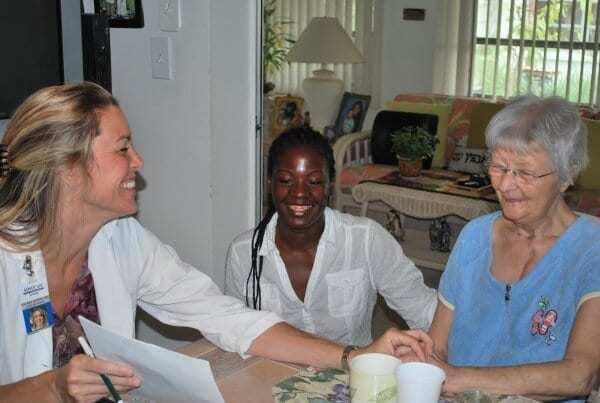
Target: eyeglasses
x,y
521,176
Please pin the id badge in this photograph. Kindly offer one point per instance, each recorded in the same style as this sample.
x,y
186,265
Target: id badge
x,y
35,298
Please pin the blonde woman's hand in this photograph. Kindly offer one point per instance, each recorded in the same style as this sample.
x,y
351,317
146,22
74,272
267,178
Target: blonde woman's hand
x,y
80,381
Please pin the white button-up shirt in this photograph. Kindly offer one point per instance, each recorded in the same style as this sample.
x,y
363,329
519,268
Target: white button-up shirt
x,y
356,259
130,267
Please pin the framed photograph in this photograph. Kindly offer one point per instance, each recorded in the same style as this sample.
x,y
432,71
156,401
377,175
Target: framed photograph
x,y
121,13
353,110
288,112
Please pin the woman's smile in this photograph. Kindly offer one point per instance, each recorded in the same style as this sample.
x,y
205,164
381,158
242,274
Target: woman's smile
x,y
299,210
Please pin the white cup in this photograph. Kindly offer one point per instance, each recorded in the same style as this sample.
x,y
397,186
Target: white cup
x,y
372,378
419,382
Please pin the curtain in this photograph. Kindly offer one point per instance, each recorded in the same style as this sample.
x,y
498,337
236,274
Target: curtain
x,y
453,47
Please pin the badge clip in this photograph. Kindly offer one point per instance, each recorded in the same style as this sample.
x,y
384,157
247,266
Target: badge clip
x,y
28,266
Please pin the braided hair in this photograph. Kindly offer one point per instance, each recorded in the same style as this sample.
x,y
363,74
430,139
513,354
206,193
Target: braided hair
x,y
290,139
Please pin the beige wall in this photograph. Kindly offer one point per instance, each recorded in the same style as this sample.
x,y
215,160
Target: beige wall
x,y
196,132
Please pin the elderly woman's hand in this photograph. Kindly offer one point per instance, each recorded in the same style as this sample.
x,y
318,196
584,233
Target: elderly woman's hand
x,y
80,379
401,342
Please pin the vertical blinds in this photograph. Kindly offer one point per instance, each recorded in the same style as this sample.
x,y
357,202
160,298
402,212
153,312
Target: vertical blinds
x,y
542,47
289,78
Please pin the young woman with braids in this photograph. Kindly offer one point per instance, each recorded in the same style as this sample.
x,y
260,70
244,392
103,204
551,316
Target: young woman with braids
x,y
317,268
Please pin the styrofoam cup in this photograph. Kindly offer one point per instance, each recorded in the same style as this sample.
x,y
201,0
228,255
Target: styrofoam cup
x,y
419,382
372,378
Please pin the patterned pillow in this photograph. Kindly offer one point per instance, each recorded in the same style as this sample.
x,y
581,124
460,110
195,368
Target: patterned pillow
x,y
470,160
590,177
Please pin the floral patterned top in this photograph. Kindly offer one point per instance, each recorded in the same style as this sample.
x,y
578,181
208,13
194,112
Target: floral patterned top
x,y
66,330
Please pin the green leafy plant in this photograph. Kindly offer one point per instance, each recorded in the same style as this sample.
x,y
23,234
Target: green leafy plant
x,y
276,42
413,143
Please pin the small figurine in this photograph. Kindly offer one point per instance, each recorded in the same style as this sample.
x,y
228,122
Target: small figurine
x,y
435,230
394,225
440,235
446,234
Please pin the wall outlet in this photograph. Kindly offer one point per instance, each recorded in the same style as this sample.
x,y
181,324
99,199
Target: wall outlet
x,y
169,15
161,58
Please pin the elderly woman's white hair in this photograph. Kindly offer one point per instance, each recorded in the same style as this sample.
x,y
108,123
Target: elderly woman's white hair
x,y
552,123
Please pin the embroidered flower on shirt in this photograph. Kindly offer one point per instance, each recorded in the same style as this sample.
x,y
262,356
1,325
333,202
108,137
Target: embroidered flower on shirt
x,y
543,321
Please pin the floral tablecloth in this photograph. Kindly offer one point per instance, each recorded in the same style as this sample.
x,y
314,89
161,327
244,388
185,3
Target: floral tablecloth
x,y
314,387
332,386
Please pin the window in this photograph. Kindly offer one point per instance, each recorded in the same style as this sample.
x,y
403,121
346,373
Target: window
x,y
536,47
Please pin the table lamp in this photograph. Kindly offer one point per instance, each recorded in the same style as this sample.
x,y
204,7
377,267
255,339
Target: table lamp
x,y
323,41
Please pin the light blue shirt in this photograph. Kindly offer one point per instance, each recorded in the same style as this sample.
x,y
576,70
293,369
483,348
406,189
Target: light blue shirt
x,y
529,321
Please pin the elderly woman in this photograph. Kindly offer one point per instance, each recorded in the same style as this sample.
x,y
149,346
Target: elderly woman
x,y
67,245
520,296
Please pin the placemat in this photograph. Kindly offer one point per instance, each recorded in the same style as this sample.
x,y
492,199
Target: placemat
x,y
313,387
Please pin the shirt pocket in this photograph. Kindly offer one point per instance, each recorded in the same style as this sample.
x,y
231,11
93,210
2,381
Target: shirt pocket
x,y
346,292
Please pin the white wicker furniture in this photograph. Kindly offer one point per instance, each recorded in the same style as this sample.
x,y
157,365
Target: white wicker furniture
x,y
421,204
350,150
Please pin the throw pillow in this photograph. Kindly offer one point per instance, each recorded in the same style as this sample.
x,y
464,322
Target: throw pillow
x,y
469,160
442,111
480,118
590,177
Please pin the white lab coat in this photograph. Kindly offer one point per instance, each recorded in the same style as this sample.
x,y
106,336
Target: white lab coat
x,y
130,267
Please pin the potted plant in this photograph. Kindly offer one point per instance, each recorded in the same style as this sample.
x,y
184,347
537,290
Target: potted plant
x,y
411,144
276,43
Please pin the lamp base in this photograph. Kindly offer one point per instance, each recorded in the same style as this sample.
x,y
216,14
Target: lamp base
x,y
322,94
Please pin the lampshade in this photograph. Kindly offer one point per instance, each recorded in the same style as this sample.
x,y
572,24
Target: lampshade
x,y
324,41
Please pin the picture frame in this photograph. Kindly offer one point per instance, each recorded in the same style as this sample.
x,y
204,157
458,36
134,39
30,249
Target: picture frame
x,y
288,112
121,13
353,110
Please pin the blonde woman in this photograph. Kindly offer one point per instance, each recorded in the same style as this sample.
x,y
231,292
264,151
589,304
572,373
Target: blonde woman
x,y
66,236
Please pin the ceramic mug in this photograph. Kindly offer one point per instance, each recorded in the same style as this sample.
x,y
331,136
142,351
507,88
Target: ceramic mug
x,y
372,378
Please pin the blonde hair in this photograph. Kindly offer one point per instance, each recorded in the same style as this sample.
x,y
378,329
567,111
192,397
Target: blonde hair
x,y
53,127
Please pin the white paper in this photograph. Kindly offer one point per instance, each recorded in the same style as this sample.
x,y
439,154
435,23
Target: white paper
x,y
166,376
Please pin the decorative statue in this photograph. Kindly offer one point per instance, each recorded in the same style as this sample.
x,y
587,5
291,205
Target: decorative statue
x,y
394,225
440,235
445,237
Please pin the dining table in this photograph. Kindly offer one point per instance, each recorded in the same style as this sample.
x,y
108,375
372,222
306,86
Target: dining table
x,y
240,380
260,380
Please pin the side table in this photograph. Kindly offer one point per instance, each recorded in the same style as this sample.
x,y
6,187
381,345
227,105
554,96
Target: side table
x,y
421,204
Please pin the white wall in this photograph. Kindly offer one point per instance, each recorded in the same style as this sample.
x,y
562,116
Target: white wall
x,y
195,132
407,56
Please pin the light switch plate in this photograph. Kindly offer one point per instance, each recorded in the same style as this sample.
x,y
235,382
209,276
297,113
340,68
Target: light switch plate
x,y
169,15
161,58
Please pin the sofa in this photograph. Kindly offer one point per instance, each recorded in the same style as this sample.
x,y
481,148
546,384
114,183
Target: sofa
x,y
461,125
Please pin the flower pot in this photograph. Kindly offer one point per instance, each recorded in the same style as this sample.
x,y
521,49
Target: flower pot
x,y
409,167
